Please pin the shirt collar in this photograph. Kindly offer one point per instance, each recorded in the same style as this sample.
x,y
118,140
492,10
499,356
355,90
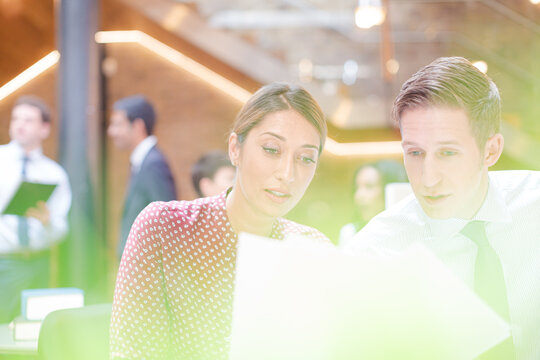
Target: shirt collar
x,y
141,150
20,154
493,209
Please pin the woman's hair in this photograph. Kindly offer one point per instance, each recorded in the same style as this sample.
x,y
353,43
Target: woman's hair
x,y
456,83
276,97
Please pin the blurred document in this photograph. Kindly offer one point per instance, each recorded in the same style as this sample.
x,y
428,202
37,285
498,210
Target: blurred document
x,y
27,196
295,299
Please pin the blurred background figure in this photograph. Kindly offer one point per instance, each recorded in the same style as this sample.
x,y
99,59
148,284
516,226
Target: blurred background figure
x,y
25,241
369,184
212,173
131,128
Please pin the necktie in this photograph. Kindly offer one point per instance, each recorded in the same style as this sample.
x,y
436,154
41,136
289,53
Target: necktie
x,y
490,286
22,229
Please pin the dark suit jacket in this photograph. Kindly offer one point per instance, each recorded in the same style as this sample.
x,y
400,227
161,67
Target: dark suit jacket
x,y
153,182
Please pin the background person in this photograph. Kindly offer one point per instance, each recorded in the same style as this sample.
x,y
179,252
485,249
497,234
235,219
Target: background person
x,y
25,240
174,291
131,128
483,225
212,174
369,183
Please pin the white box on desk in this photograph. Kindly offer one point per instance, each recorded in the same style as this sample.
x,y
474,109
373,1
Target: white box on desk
x,y
37,303
25,330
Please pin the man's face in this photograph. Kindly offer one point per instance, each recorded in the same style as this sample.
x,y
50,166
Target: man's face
x,y
27,127
121,130
445,166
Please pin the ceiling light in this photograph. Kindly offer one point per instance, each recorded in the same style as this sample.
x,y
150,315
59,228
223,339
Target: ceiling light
x,y
177,58
369,13
350,72
481,65
535,2
305,70
392,65
33,71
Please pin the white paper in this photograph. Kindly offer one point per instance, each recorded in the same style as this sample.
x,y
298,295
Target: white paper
x,y
299,300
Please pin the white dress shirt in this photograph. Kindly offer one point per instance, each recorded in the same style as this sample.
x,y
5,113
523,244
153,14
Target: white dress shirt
x,y
512,213
139,153
40,169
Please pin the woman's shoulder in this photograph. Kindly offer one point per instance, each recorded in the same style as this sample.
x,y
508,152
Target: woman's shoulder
x,y
289,227
185,212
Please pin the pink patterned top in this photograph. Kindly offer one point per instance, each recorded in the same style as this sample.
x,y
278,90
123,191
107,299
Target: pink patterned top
x,y
174,290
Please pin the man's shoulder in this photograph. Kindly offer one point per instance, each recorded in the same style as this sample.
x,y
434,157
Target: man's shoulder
x,y
393,228
155,154
518,189
155,158
53,168
515,179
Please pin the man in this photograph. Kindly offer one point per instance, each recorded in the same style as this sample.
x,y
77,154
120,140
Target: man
x,y
483,225
25,240
212,174
131,128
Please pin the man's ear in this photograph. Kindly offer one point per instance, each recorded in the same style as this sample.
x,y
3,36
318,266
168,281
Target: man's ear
x,y
138,125
493,149
45,130
234,148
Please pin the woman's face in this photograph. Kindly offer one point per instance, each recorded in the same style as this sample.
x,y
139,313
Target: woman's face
x,y
369,195
276,162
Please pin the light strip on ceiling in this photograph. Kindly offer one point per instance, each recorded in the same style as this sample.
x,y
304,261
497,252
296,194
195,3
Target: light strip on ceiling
x,y
368,148
32,72
177,58
379,148
376,148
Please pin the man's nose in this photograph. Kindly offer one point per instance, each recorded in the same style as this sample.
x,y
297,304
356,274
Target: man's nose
x,y
431,172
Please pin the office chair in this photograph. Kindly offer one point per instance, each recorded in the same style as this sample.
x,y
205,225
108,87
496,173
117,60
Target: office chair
x,y
80,333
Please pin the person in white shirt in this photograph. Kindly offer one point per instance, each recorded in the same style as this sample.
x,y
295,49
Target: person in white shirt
x,y
131,128
483,225
25,240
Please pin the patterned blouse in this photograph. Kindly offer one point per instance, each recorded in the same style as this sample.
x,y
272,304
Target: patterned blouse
x,y
174,290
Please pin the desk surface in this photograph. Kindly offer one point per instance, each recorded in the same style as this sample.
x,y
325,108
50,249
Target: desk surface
x,y
10,346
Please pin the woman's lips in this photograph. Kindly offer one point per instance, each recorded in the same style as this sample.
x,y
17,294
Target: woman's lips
x,y
278,196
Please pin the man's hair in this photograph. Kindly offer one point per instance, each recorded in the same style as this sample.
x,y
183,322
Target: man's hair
x,y
207,166
454,82
138,107
38,103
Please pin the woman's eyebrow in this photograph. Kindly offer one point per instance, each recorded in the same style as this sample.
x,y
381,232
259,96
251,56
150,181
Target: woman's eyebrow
x,y
284,139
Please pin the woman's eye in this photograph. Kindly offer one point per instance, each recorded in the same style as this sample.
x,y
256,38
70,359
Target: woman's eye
x,y
415,153
270,150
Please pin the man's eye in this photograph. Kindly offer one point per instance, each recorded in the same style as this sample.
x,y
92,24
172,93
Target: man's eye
x,y
307,160
449,153
415,153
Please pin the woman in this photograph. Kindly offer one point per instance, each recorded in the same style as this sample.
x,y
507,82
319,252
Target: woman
x,y
173,296
369,183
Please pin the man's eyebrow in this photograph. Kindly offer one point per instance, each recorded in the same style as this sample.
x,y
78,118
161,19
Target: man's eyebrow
x,y
447,142
284,139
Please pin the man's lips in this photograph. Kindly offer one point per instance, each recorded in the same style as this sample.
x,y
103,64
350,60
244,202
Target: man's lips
x,y
433,199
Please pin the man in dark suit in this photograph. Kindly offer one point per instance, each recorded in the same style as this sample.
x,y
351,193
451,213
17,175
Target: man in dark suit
x,y
131,127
